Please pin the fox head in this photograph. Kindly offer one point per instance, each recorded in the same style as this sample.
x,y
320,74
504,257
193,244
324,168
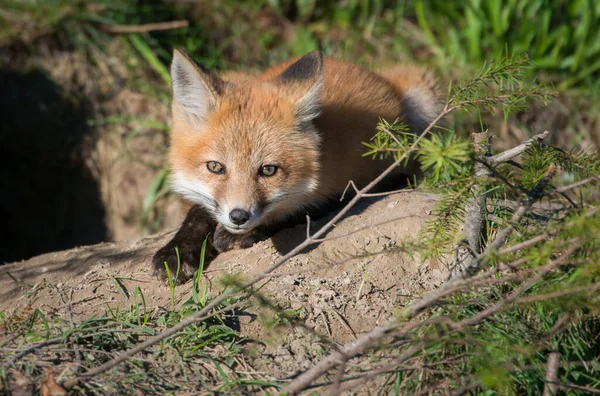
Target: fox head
x,y
245,151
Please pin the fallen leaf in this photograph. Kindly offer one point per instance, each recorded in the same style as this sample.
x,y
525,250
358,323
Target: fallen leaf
x,y
50,387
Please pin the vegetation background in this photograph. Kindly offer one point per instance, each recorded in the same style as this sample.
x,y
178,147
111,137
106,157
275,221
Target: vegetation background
x,y
85,96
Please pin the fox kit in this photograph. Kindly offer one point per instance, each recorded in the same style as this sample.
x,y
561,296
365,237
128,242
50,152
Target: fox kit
x,y
252,152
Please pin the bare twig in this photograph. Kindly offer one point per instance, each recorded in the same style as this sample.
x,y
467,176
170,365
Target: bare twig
x,y
586,389
556,294
524,244
552,374
575,185
513,152
148,27
34,348
475,209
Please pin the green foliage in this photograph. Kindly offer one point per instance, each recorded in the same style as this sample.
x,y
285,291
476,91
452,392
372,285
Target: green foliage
x,y
500,83
507,351
445,156
494,336
390,139
559,36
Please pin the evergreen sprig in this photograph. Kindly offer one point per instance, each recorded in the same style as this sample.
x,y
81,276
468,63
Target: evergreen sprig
x,y
534,306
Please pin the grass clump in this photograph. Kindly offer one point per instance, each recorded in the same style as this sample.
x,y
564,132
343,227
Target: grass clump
x,y
202,357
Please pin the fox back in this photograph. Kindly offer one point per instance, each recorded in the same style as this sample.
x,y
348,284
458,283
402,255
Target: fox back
x,y
255,149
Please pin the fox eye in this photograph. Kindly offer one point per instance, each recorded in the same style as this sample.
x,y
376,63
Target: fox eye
x,y
215,167
268,170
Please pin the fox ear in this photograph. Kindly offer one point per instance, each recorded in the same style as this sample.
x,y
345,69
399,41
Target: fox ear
x,y
195,89
306,77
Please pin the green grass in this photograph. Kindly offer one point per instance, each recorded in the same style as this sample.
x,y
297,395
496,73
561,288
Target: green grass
x,y
558,36
203,356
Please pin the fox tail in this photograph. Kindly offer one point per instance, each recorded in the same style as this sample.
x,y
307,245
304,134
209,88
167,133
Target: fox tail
x,y
421,97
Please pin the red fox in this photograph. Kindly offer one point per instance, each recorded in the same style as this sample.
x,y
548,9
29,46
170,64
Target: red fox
x,y
251,152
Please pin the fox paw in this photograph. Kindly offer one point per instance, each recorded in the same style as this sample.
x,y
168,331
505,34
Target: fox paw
x,y
224,240
187,260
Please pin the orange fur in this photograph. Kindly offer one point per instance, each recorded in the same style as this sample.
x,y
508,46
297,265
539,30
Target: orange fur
x,y
253,122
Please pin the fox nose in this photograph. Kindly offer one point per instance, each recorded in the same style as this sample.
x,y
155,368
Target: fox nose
x,y
239,216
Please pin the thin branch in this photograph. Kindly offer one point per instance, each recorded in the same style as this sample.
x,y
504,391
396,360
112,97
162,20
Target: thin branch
x,y
34,348
389,367
572,186
391,135
148,27
510,299
524,244
552,374
386,193
587,389
556,294
513,152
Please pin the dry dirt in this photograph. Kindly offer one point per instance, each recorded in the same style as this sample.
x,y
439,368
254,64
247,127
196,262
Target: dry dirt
x,y
337,295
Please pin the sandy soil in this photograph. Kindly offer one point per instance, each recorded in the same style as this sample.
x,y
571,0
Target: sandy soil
x,y
341,288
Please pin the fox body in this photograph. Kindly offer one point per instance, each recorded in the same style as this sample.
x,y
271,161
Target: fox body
x,y
252,151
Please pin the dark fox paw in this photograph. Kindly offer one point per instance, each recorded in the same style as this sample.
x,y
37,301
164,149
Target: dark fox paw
x,y
187,261
224,240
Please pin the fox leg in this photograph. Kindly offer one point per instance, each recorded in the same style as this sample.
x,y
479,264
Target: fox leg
x,y
196,227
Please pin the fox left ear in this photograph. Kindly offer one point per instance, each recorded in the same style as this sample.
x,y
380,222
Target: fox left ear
x,y
195,89
305,76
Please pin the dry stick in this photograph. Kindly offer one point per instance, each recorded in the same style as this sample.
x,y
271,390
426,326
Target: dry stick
x,y
524,244
205,312
364,342
575,185
475,209
380,370
552,374
148,27
587,389
513,152
556,294
516,293
35,347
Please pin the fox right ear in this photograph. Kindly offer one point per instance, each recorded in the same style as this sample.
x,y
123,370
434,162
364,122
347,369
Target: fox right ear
x,y
195,89
306,77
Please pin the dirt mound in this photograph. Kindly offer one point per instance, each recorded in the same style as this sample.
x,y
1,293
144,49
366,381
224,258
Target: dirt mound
x,y
340,288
